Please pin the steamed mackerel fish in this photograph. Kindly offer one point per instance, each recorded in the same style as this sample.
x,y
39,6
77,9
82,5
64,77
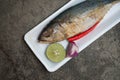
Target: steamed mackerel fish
x,y
75,20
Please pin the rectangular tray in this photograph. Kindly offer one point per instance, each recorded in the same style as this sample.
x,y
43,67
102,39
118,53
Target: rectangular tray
x,y
109,21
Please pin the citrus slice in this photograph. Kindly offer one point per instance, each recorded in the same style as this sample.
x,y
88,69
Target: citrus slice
x,y
55,52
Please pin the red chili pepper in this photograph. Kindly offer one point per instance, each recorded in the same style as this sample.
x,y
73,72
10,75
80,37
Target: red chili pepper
x,y
78,36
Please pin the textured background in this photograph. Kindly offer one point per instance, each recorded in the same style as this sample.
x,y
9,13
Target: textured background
x,y
99,61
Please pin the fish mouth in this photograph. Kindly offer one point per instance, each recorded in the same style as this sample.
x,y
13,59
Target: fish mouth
x,y
46,40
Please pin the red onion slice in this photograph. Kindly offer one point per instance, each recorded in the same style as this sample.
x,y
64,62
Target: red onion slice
x,y
72,50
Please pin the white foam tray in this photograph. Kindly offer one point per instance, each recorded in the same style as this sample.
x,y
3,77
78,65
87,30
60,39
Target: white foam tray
x,y
109,21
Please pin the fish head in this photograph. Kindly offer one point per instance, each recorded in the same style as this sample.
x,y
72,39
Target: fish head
x,y
52,33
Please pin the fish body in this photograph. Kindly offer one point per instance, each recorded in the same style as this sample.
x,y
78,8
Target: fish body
x,y
75,20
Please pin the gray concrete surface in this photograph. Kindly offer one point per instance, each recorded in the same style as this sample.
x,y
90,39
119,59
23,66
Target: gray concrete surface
x,y
99,61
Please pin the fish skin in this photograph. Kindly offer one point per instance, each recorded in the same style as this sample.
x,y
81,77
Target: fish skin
x,y
75,20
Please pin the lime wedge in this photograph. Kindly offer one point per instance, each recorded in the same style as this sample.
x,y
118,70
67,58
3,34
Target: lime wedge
x,y
55,52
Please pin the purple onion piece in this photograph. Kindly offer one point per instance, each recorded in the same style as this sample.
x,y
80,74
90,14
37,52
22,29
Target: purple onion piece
x,y
72,50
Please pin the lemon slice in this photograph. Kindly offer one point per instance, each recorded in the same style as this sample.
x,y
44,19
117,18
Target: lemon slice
x,y
55,52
